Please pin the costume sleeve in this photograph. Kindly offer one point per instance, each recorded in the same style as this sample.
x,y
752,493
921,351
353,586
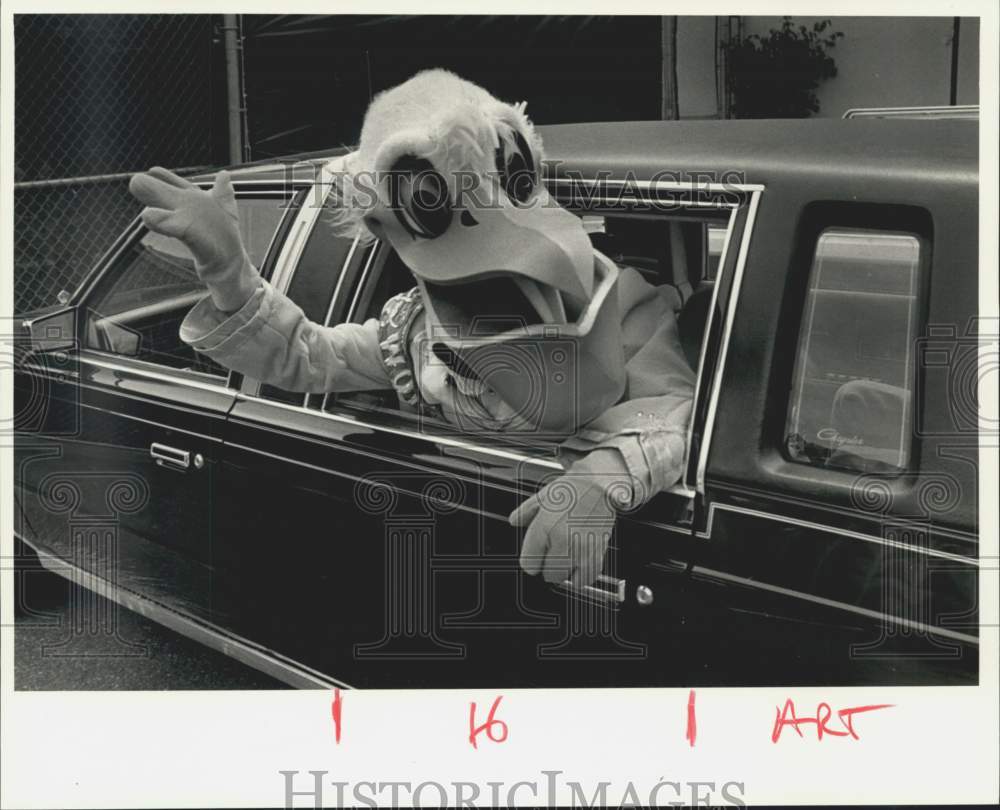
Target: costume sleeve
x,y
649,426
270,339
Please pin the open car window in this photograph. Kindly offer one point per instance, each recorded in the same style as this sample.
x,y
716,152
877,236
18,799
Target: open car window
x,y
669,252
137,307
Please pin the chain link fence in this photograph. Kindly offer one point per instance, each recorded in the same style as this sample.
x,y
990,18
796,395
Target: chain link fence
x,y
96,98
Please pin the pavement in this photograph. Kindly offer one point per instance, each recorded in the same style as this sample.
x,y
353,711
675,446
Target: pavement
x,y
67,639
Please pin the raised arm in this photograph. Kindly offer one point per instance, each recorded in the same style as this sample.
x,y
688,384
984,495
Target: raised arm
x,y
243,323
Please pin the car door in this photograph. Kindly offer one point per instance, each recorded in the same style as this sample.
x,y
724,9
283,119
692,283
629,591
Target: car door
x,y
125,494
373,546
839,535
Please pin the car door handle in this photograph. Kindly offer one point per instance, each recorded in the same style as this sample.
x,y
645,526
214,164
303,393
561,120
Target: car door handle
x,y
170,456
605,590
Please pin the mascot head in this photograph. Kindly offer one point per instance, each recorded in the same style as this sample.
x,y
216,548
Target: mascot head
x,y
516,298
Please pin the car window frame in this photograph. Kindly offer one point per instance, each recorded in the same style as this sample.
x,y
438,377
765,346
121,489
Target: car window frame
x,y
742,201
288,264
295,194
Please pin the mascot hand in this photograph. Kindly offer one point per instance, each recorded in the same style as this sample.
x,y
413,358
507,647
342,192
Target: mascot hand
x,y
207,223
571,519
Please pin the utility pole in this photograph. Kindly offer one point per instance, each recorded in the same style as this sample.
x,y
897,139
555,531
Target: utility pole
x,y
956,28
233,96
668,108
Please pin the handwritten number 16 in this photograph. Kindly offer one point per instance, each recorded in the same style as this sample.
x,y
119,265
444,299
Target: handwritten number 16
x,y
488,726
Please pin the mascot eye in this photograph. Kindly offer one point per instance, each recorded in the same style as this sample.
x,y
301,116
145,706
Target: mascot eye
x,y
516,170
420,197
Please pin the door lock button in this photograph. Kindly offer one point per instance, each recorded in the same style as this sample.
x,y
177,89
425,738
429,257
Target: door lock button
x,y
644,595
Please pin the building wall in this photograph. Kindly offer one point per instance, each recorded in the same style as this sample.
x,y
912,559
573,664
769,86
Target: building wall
x,y
892,62
968,61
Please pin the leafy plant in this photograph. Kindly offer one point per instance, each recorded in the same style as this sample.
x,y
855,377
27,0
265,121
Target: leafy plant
x,y
776,75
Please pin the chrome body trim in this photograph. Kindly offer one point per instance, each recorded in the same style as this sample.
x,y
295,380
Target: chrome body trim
x,y
182,378
821,600
704,344
720,365
961,111
306,218
340,280
822,527
352,311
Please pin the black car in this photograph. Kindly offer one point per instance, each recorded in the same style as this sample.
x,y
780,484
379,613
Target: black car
x,y
825,531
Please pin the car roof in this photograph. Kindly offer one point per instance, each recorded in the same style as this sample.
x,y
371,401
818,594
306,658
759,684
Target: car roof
x,y
761,151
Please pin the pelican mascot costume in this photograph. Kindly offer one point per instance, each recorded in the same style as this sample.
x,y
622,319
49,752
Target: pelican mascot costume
x,y
515,322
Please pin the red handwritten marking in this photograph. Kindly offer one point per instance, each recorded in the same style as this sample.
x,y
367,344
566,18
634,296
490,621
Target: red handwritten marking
x,y
475,731
786,716
335,711
692,727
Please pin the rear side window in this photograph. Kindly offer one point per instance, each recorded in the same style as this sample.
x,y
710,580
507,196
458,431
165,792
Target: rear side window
x,y
851,403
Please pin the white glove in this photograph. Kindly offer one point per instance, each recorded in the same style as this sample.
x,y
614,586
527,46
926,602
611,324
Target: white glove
x,y
570,520
207,222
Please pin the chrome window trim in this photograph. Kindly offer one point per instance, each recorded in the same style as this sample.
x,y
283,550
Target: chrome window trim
x,y
287,193
958,111
352,311
354,302
292,249
340,280
410,434
308,216
254,386
274,234
720,365
288,260
144,368
120,245
704,342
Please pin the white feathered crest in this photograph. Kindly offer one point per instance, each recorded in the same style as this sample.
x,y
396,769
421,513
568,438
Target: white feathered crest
x,y
437,116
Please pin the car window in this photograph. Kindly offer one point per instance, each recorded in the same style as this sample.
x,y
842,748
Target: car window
x,y
314,283
851,399
715,237
642,242
137,308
